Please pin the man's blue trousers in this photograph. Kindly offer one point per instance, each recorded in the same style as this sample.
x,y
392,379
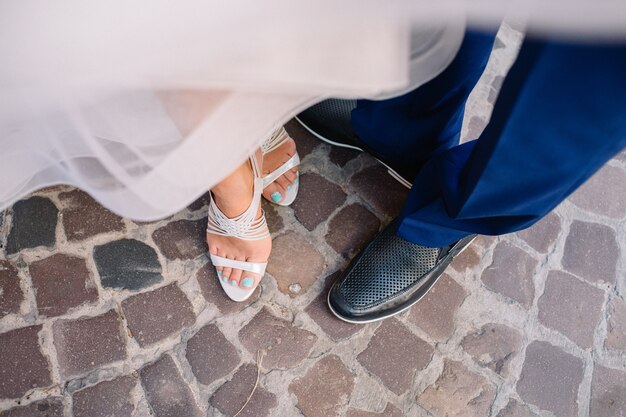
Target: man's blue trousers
x,y
560,115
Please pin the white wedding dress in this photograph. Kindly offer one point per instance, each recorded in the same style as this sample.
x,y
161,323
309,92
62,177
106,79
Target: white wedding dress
x,y
147,104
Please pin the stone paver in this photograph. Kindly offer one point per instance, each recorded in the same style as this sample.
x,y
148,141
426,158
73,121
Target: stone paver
x,y
404,354
616,329
22,365
436,311
476,126
351,229
511,273
468,259
127,264
608,392
389,411
231,396
483,242
598,194
181,239
106,399
294,278
550,379
89,342
50,407
324,389
542,235
107,316
61,282
496,84
380,190
157,314
516,409
493,346
458,392
341,156
11,294
317,199
211,355
201,203
591,252
83,217
274,221
283,344
166,391
571,307
33,224
319,312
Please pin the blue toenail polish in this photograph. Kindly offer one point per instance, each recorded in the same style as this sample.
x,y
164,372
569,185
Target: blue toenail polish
x,y
296,181
225,279
219,272
247,282
289,187
276,197
233,283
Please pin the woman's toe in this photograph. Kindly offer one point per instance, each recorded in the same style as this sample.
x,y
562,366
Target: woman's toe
x,y
226,275
284,183
235,277
248,281
290,176
214,251
274,192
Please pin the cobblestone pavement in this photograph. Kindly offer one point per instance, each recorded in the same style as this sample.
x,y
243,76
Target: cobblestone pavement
x,y
103,316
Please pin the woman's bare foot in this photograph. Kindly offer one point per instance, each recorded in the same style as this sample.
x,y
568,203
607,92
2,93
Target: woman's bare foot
x,y
271,161
233,196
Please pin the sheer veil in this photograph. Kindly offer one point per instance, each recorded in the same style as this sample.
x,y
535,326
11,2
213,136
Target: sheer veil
x,y
147,104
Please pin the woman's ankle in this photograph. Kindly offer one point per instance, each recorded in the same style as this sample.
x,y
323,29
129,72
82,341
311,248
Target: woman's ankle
x,y
234,193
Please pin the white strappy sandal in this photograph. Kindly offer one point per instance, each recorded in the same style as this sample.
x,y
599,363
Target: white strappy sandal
x,y
244,226
274,142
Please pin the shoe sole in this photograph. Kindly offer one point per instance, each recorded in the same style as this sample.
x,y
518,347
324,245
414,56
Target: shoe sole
x,y
390,170
403,309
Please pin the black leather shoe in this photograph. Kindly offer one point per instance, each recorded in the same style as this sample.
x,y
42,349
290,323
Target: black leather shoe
x,y
330,121
389,276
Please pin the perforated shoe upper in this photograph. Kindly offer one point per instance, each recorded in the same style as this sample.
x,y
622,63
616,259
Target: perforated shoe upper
x,y
389,266
388,276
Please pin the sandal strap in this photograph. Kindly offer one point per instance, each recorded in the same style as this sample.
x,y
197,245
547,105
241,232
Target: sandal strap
x,y
245,226
293,162
278,138
254,267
